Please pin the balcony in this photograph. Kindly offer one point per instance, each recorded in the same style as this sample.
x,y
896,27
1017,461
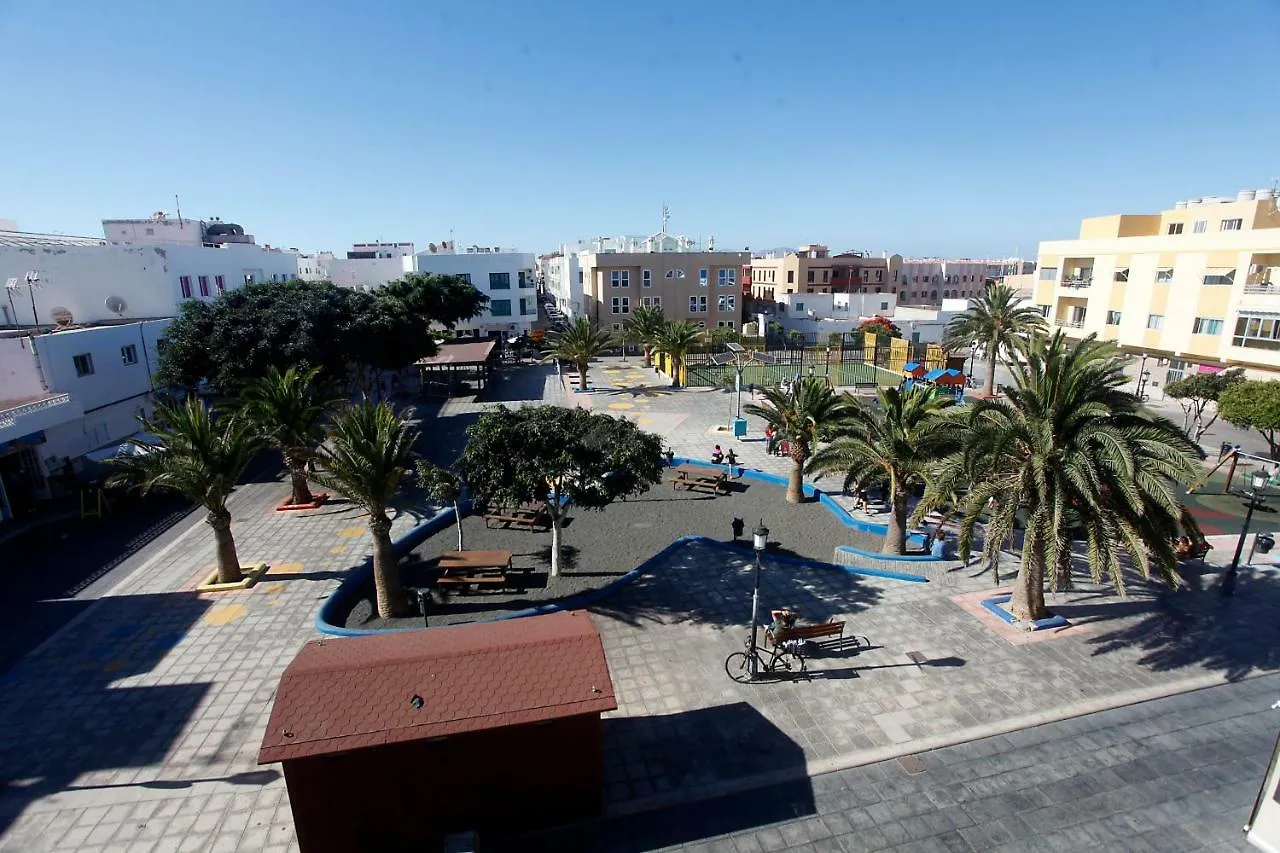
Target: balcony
x,y
19,418
1077,281
1069,323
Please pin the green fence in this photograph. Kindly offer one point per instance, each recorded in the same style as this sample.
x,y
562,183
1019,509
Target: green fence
x,y
854,373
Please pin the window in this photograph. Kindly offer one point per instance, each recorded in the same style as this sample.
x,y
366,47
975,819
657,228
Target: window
x,y
619,278
1199,228
702,276
83,363
651,301
693,304
1175,227
826,275
702,304
128,354
1044,309
1230,224
1206,326
221,283
1177,370
500,281
791,276
524,306
1257,330
621,305
500,307
204,285
1122,274
1155,321
884,306
1164,275
727,278
184,281
799,307
466,276
725,324
879,275
810,275
579,276
521,281
646,278
866,276
1048,273
1220,276
617,326
675,273
1113,318
727,302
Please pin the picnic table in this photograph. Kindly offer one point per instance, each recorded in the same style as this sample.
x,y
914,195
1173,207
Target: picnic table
x,y
697,477
474,568
527,515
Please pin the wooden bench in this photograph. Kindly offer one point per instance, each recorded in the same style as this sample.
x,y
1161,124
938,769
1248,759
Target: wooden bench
x,y
529,521
705,484
822,630
472,580
1197,551
474,561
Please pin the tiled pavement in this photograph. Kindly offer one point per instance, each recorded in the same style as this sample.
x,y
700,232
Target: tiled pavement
x,y
136,728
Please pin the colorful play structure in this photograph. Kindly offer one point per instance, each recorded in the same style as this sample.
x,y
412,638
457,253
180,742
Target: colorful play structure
x,y
947,379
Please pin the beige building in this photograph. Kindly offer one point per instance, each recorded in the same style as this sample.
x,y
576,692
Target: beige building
x,y
813,269
701,287
1196,287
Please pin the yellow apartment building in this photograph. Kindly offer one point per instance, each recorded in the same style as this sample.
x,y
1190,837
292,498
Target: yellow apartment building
x,y
1196,287
700,287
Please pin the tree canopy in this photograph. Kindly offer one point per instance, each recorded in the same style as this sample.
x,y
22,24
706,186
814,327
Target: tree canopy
x,y
1253,405
997,322
1196,393
882,326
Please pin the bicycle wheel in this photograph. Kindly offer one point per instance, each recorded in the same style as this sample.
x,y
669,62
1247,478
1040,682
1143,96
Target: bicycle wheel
x,y
790,662
738,667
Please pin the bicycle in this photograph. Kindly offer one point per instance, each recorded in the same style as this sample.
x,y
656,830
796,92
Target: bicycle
x,y
781,661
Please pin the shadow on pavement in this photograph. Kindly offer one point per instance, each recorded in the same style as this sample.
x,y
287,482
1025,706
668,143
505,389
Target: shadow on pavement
x,y
681,754
62,716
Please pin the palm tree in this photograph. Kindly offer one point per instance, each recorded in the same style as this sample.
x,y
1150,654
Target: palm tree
x,y
441,485
365,458
578,343
894,445
1070,452
810,414
996,322
643,328
674,341
288,411
198,456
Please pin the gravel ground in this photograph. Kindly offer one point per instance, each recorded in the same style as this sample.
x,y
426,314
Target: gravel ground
x,y
600,546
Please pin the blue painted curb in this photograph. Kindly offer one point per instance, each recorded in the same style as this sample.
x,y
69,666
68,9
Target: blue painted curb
x,y
899,558
994,605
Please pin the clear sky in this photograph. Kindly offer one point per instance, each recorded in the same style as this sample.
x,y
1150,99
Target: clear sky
x,y
921,127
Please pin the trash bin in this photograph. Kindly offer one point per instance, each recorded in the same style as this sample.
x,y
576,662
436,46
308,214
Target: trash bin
x,y
739,427
1264,543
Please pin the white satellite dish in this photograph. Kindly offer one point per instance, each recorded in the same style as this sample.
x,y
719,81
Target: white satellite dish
x,y
61,316
431,247
115,304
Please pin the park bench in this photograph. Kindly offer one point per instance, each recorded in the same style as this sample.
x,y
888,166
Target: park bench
x,y
518,518
472,580
822,630
702,479
1198,551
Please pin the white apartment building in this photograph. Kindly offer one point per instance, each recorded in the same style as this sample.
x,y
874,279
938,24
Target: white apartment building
x,y
67,393
506,276
561,274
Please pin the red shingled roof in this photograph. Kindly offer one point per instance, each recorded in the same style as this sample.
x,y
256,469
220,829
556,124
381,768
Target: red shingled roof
x,y
344,694
472,353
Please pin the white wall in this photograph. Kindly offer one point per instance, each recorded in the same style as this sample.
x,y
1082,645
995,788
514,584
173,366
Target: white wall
x,y
478,266
19,378
837,306
367,272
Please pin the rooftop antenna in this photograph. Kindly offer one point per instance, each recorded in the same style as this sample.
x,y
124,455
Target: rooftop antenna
x,y
178,205
666,215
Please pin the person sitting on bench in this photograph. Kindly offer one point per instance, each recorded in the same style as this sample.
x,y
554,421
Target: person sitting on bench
x,y
717,455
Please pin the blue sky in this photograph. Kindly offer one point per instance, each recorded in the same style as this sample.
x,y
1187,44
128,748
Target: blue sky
x,y
947,128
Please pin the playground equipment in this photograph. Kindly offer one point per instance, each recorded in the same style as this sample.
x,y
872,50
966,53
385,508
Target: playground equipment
x,y
1230,456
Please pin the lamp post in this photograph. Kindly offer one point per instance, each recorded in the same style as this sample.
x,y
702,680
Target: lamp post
x,y
759,541
1259,482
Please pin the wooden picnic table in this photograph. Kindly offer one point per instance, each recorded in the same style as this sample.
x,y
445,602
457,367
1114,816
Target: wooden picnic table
x,y
474,569
698,477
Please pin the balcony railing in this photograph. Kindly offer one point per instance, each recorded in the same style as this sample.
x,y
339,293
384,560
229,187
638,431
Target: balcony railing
x,y
1068,323
8,417
1077,281
1260,287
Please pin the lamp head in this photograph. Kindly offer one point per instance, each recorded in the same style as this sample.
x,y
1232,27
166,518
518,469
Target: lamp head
x,y
1259,479
760,536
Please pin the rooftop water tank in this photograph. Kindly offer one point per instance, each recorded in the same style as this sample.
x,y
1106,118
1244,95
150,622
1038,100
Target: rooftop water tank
x,y
1245,195
1265,194
1181,205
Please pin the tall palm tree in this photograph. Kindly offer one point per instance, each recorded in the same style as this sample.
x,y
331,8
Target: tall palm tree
x,y
196,455
809,414
893,445
674,341
578,343
1070,453
365,457
288,411
996,322
643,327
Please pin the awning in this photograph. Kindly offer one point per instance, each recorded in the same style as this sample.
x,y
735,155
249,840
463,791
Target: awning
x,y
1211,368
123,449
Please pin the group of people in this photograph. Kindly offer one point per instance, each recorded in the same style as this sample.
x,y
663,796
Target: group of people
x,y
718,456
773,446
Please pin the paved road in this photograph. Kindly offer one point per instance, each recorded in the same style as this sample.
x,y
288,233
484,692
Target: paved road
x,y
1169,775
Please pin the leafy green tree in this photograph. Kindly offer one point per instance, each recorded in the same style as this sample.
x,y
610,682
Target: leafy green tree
x,y
546,454
720,334
442,299
1196,393
643,327
1069,452
810,413
1253,405
997,323
198,456
674,341
895,446
287,411
880,326
444,487
578,343
365,457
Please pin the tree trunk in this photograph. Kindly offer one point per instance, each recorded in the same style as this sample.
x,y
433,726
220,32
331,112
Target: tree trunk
x,y
795,483
457,519
1027,603
648,357
991,367
675,372
228,560
298,478
895,538
582,375
555,541
391,597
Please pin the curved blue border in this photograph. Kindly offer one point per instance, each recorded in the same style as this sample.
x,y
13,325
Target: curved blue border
x,y
900,558
995,605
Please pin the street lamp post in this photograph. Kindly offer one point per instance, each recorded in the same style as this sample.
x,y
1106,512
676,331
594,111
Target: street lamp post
x,y
759,541
1259,482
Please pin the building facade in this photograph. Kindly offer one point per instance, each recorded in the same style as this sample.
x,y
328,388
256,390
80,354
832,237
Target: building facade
x,y
698,287
928,281
506,276
1196,287
813,269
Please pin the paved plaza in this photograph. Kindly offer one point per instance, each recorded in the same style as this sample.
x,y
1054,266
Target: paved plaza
x,y
136,727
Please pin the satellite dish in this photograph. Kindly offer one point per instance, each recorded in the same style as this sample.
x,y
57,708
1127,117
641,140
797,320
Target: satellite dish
x,y
61,316
115,304
431,247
